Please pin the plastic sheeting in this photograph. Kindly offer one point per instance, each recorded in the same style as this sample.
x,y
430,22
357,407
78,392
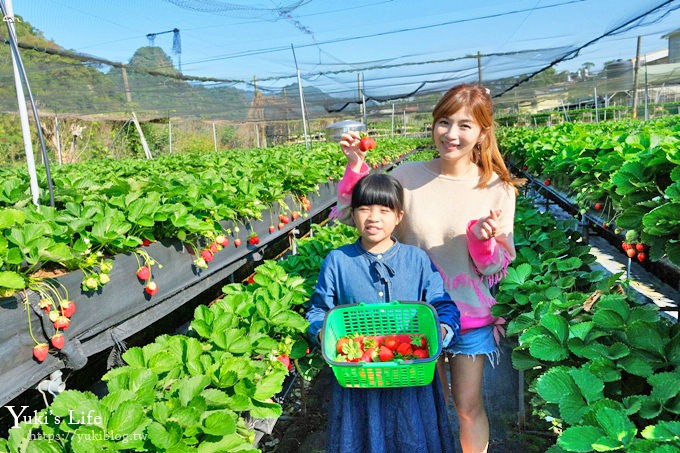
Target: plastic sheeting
x,y
121,308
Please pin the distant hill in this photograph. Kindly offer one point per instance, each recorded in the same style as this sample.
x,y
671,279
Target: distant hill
x,y
70,86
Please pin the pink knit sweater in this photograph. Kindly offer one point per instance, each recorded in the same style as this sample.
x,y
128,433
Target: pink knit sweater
x,y
440,210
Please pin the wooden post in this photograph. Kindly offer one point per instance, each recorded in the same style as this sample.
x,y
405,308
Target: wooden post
x,y
145,145
126,84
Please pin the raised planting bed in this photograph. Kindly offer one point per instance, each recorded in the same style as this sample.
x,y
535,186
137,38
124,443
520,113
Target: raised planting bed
x,y
121,308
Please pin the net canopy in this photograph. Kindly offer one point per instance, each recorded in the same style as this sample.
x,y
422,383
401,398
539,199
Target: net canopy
x,y
543,59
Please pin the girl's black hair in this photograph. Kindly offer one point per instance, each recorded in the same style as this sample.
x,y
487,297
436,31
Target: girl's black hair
x,y
378,188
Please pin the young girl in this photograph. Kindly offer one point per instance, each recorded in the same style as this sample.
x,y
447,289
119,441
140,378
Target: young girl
x,y
460,209
378,268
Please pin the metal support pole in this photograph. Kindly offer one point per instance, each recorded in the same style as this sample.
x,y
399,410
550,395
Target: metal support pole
x,y
302,99
635,77
23,112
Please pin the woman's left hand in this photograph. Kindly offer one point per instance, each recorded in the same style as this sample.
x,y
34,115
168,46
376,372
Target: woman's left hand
x,y
487,227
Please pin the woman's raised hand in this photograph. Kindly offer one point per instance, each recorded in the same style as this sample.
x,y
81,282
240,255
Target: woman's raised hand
x,y
349,142
487,227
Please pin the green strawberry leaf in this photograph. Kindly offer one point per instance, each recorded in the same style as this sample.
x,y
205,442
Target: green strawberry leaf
x,y
579,438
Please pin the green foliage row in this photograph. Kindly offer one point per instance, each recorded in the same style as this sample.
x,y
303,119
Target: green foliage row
x,y
631,168
195,392
602,369
105,207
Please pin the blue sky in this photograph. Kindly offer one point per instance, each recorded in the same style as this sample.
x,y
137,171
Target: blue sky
x,y
240,40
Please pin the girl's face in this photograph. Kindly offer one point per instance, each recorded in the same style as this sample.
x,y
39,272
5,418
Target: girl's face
x,y
456,136
376,224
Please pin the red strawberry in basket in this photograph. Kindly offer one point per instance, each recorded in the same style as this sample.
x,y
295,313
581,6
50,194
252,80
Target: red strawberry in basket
x,y
385,354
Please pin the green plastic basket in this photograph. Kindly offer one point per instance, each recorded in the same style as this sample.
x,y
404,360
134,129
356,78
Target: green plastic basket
x,y
398,317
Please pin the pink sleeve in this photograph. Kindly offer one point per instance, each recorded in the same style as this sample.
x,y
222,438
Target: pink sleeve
x,y
481,251
349,180
490,256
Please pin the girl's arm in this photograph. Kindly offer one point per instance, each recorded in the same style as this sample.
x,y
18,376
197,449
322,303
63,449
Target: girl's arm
x,y
355,170
341,211
323,299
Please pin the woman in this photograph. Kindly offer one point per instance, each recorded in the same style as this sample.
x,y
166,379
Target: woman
x,y
460,209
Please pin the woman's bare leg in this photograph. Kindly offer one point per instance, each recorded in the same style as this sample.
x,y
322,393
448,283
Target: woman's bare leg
x,y
466,385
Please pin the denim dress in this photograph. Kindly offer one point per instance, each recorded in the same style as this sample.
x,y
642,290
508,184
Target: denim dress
x,y
382,420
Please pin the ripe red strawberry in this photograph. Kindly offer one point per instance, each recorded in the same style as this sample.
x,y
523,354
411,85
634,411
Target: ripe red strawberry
x,y
421,353
294,215
366,143
207,255
598,206
68,308
404,349
254,240
403,338
385,354
546,181
214,247
143,273
391,342
237,242
285,219
62,323
250,280
640,247
146,242
367,356
630,252
285,360
151,288
281,225
340,343
40,351
625,245
58,340
272,228
641,257
524,168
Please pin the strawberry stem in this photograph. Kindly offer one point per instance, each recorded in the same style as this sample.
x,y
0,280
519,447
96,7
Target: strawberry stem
x,y
27,305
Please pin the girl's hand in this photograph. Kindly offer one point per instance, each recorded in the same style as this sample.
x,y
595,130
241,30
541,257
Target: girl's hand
x,y
487,227
349,142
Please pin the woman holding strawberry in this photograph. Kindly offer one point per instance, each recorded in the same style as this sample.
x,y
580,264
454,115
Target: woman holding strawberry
x,y
378,268
459,208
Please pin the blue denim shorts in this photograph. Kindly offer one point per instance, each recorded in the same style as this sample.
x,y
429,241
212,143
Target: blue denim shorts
x,y
476,342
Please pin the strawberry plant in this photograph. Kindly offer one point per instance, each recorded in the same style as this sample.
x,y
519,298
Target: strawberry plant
x,y
630,167
595,361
